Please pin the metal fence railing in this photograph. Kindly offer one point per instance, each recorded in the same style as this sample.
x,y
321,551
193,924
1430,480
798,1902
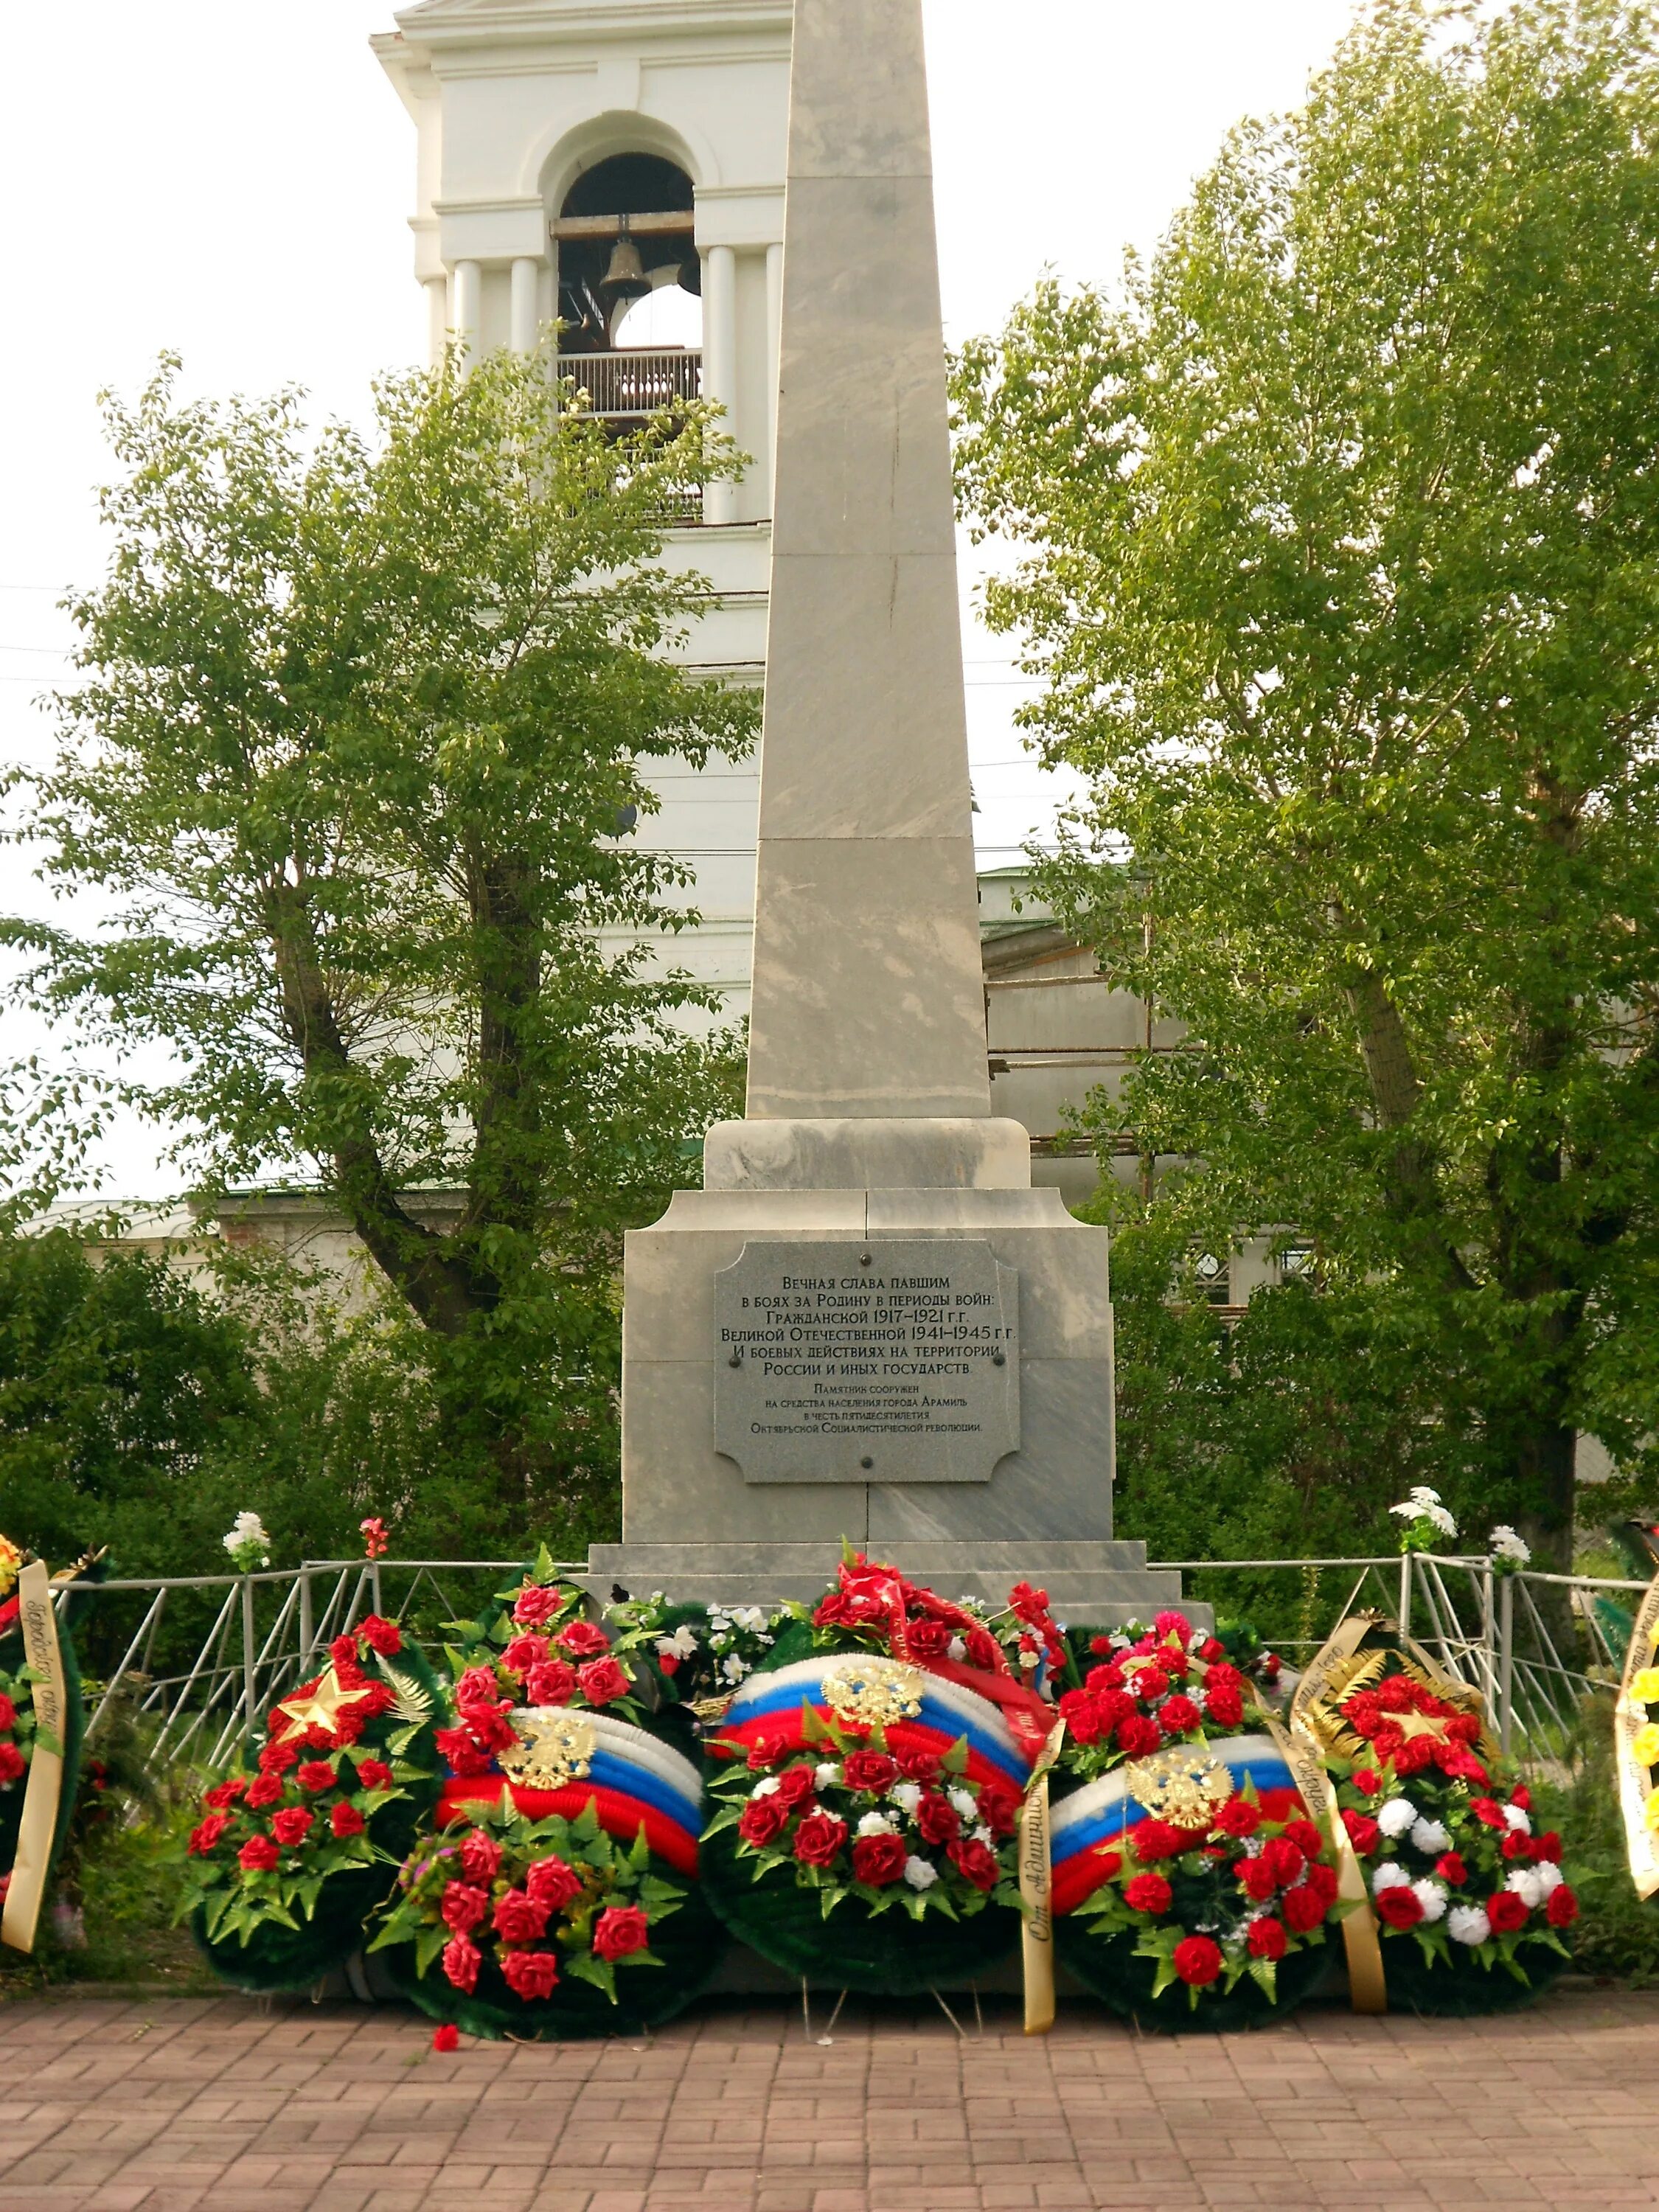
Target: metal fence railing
x,y
199,1659
632,384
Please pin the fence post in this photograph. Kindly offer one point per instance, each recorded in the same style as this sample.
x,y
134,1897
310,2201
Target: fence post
x,y
250,1684
1489,1629
307,1620
1506,1663
1406,1593
374,1585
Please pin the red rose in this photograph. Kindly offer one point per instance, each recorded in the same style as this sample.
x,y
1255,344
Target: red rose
x,y
1257,1880
316,1774
1238,1817
1198,1961
1367,1781
1520,1794
795,1785
478,1687
831,1612
224,1794
764,1820
8,1713
1451,1869
463,1906
938,1820
446,2037
1266,1939
763,1755
1516,1846
1306,1837
1506,1912
1081,1713
819,1839
621,1930
203,1839
1148,1683
382,1635
1304,1908
582,1640
481,1856
373,1774
461,1960
1322,1880
1147,1892
1225,1707
917,1764
1157,1840
1562,1908
602,1682
344,1652
1285,1861
983,1650
519,1918
290,1825
998,1808
869,1771
1488,1810
928,1639
524,1652
552,1683
1547,1846
975,1863
878,1860
258,1856
1179,1716
460,1752
533,1607
1211,1650
530,1974
263,1790
1400,1906
1363,1832
551,1883
1139,1735
345,1821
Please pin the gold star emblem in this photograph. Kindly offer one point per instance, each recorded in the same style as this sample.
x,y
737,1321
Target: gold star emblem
x,y
321,1707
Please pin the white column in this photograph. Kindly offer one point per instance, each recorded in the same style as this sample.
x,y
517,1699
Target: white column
x,y
437,317
774,333
526,287
720,362
466,306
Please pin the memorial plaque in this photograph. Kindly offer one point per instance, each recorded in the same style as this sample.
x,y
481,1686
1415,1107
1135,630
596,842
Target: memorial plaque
x,y
886,1362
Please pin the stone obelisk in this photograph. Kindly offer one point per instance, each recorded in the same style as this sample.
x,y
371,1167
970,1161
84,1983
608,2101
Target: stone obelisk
x,y
867,1325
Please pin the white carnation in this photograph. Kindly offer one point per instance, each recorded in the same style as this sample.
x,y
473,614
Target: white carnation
x,y
1389,1875
1467,1923
920,1873
1397,1816
1430,1837
906,1794
1548,1877
826,1776
1521,1821
1527,1886
1432,1897
875,1824
966,1803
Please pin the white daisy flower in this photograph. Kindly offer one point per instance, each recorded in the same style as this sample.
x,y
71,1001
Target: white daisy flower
x,y
1503,1543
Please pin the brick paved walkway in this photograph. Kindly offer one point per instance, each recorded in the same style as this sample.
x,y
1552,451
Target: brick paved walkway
x,y
168,2105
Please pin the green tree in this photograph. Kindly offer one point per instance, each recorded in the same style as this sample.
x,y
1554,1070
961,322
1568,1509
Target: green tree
x,y
357,728
1341,530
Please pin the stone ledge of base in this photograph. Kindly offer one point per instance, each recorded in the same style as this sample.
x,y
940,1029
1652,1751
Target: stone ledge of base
x,y
943,1152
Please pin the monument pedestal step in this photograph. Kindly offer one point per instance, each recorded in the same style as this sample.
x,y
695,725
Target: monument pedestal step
x,y
1098,1584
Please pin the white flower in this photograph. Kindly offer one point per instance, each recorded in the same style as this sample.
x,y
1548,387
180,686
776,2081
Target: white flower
x,y
733,1669
966,1803
718,1623
1467,1923
682,1644
1504,1544
1526,1885
247,1542
1424,1505
1432,1897
875,1824
767,1788
920,1874
1397,1816
906,1794
981,1834
1389,1875
750,1617
1519,1821
956,1650
1548,1877
827,1776
1430,1837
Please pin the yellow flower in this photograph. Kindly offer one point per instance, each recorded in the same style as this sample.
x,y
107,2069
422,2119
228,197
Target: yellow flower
x,y
1652,1813
1644,1686
10,1560
1646,1745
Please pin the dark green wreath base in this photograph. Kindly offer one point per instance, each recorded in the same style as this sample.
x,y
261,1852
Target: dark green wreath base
x,y
276,1959
879,1954
689,1943
1108,1967
1466,1989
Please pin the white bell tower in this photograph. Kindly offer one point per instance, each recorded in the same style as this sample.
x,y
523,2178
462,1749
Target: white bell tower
x,y
619,165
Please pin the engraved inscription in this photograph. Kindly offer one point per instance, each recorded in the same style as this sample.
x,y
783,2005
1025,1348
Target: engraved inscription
x,y
886,1362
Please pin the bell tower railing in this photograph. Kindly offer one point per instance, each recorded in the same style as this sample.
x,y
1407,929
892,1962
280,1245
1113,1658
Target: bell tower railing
x,y
630,385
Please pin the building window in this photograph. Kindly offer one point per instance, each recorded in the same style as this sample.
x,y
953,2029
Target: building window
x,y
1214,1279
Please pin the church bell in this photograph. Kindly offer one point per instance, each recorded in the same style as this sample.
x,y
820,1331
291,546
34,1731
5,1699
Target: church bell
x,y
625,279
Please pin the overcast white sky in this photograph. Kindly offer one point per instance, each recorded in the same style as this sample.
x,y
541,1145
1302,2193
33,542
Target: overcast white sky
x,y
234,183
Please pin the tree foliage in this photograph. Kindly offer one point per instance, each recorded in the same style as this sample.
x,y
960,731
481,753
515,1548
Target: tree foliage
x,y
1342,562
357,729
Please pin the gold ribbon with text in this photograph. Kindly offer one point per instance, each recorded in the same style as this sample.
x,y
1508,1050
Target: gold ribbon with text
x,y
44,1788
